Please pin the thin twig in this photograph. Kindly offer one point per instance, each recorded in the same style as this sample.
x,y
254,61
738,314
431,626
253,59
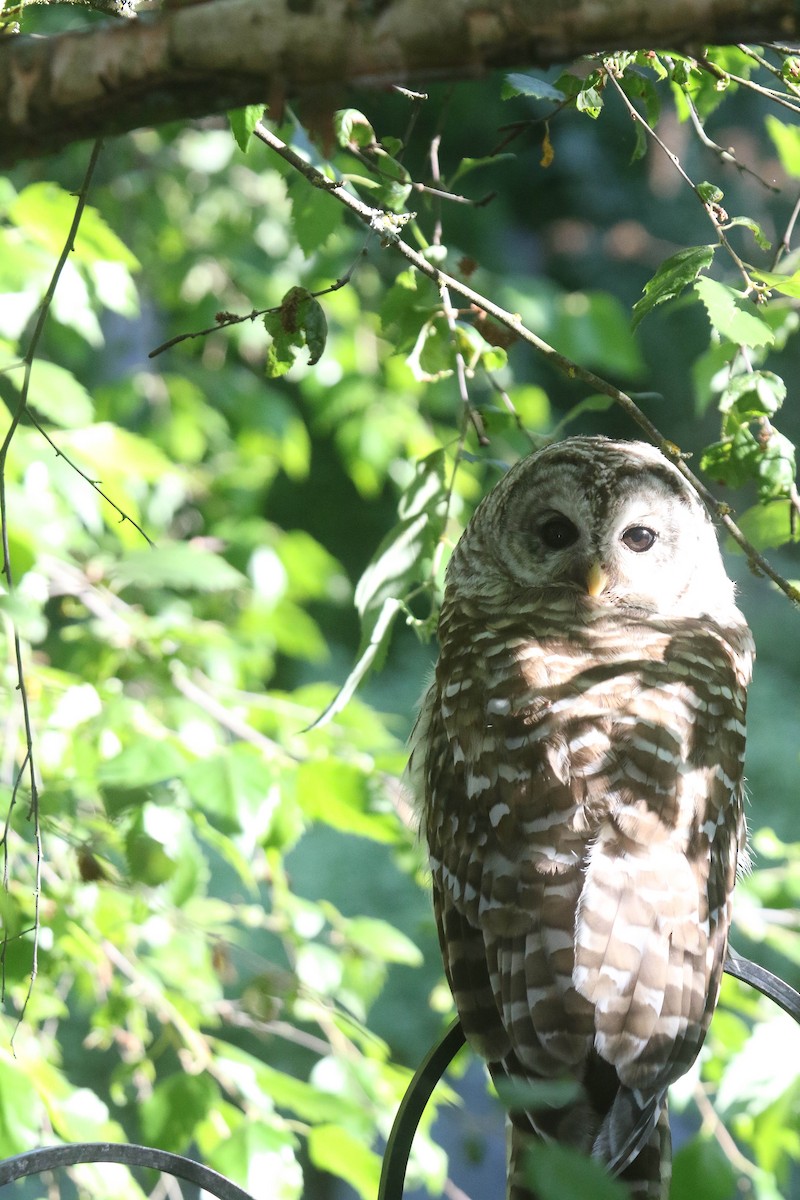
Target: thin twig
x,y
510,408
226,319
750,52
769,93
388,227
223,714
785,244
29,762
714,1125
93,483
725,156
450,313
710,209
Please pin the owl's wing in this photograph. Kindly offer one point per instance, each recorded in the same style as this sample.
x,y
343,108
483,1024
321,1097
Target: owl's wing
x,y
653,918
507,875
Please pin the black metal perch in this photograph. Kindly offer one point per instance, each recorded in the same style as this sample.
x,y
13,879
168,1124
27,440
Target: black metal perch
x,y
398,1148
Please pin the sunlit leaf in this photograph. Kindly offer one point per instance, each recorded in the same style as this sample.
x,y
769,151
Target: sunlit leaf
x,y
256,1151
232,786
46,211
299,322
243,121
382,940
338,794
753,394
182,566
520,84
786,139
55,394
334,1149
20,1109
731,315
316,215
674,274
787,285
175,1107
351,128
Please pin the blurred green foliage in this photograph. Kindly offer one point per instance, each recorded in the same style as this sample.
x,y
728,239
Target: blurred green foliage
x,y
234,950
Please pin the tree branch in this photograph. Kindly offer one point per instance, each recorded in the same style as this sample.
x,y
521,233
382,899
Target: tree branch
x,y
389,226
194,59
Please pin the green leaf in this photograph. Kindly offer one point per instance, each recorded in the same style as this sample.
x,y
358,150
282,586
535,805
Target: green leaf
x,y
180,566
45,211
334,1149
171,1113
787,285
394,182
639,87
593,329
255,1152
589,99
786,140
315,215
709,193
234,786
468,165
701,1168
243,121
338,794
731,315
597,403
300,321
433,355
280,355
20,1109
381,940
555,1172
260,1082
762,241
775,467
753,394
674,274
401,563
520,84
767,526
352,129
144,762
372,652
115,453
315,328
55,394
401,560
149,862
406,306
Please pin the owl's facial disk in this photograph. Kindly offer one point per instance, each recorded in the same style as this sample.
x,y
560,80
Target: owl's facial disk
x,y
621,556
643,543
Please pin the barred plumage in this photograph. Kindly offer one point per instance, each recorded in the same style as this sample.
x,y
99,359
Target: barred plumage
x,y
578,759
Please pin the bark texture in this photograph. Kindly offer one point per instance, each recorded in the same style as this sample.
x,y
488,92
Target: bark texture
x,y
197,59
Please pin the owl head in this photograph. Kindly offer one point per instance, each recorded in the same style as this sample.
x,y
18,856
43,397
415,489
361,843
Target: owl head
x,y
614,523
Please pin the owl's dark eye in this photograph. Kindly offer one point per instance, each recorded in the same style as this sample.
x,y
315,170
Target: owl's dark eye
x,y
558,532
639,538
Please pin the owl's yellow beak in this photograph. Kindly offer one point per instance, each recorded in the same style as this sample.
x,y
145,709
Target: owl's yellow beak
x,y
596,580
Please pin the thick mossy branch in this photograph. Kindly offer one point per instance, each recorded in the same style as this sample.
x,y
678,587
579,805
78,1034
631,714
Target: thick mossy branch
x,y
191,60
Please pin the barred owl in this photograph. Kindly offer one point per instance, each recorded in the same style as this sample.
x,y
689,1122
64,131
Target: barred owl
x,y
578,761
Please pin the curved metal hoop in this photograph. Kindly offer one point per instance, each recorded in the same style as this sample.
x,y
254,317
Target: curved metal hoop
x,y
54,1157
436,1062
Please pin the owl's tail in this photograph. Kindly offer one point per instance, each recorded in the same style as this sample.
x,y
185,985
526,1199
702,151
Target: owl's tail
x,y
646,1173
